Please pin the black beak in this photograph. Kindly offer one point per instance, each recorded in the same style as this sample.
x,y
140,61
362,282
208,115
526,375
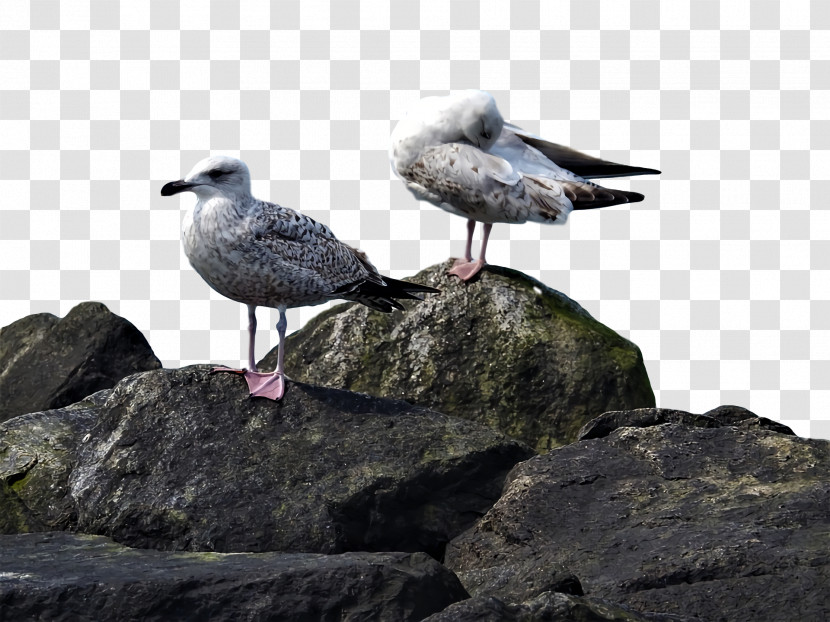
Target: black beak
x,y
175,187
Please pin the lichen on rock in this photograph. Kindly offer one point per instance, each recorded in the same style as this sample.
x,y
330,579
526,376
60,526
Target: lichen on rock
x,y
504,350
37,453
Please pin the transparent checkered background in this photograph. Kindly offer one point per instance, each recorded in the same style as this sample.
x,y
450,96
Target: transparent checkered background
x,y
720,275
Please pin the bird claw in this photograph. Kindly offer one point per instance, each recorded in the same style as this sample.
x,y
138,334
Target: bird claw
x,y
260,384
466,270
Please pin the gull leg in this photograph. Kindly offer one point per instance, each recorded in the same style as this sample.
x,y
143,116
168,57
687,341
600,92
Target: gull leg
x,y
251,336
458,266
468,270
271,384
471,229
485,236
281,326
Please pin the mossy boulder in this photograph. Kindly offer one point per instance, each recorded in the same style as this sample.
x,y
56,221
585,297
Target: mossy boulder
x,y
48,362
504,350
37,453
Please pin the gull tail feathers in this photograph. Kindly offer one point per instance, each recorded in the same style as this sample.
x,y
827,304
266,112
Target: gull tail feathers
x,y
382,297
587,195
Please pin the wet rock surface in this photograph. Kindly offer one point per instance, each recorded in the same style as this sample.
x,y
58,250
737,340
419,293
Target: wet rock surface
x,y
504,350
48,362
720,523
73,577
185,459
651,515
547,607
37,453
646,417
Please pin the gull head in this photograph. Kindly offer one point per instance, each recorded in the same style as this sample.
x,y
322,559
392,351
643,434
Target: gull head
x,y
212,177
480,119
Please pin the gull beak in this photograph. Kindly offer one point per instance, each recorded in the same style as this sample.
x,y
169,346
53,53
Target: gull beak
x,y
175,187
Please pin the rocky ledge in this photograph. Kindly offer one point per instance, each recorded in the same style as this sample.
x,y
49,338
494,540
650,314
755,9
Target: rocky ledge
x,y
722,521
77,578
187,460
647,514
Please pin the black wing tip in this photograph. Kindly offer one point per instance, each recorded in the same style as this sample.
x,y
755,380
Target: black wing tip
x,y
384,305
621,197
408,286
649,171
634,197
383,297
611,170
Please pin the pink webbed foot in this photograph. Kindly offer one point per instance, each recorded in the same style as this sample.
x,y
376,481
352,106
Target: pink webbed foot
x,y
270,384
465,270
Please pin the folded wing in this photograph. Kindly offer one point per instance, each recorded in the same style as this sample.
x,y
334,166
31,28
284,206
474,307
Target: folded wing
x,y
514,184
579,163
336,269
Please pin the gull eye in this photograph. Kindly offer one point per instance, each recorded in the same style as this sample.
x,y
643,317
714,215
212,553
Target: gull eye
x,y
215,174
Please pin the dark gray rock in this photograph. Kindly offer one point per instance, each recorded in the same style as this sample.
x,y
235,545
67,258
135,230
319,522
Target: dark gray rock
x,y
504,350
60,576
547,607
520,582
644,417
606,423
47,363
37,453
720,523
739,416
185,459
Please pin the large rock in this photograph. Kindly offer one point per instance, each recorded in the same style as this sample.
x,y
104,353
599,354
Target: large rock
x,y
59,576
723,522
547,607
644,417
503,350
47,362
185,459
37,453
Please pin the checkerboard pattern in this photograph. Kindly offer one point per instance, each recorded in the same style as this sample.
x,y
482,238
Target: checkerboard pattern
x,y
721,276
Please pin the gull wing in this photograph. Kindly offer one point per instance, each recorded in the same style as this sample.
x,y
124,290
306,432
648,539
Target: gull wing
x,y
309,247
575,161
485,187
488,188
337,269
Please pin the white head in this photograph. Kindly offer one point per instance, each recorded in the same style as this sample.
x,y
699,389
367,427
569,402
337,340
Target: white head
x,y
214,176
479,119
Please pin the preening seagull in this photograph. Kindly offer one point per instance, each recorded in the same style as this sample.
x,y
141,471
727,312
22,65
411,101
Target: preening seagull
x,y
458,153
261,254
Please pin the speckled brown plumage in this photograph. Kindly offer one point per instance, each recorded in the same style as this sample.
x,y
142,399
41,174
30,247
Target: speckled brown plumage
x,y
262,254
457,152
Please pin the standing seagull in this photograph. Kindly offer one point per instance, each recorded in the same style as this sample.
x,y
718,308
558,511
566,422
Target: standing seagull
x,y
262,254
458,153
